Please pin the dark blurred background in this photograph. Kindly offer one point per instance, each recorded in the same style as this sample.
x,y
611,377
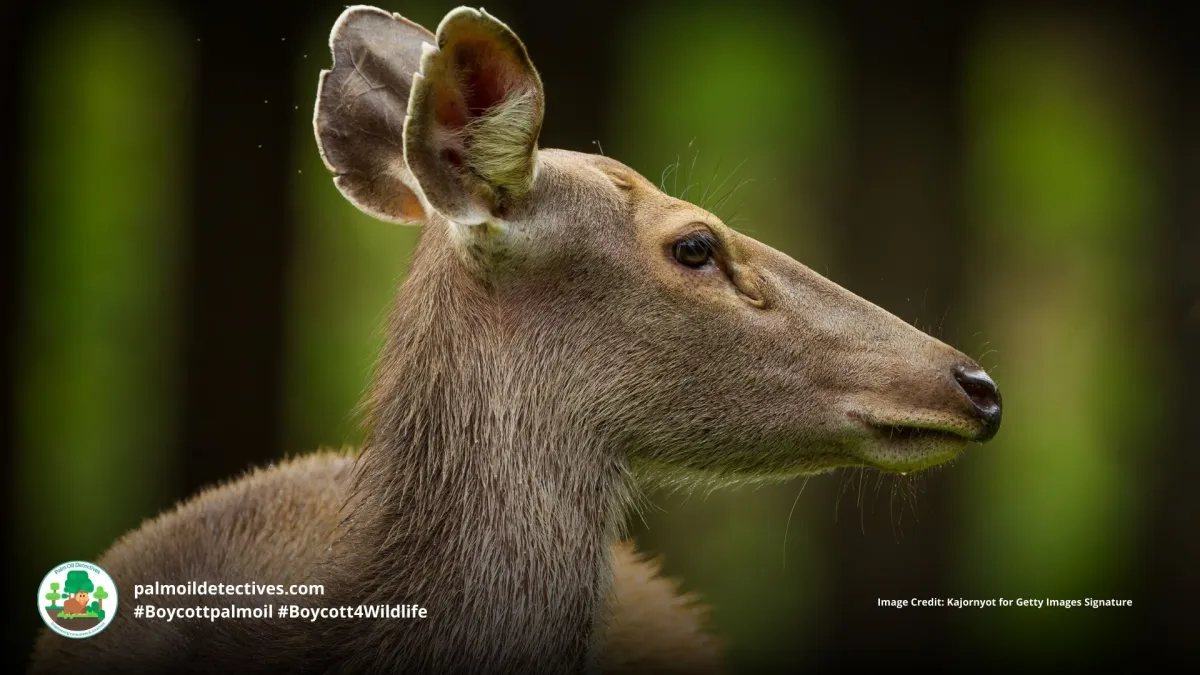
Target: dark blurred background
x,y
189,294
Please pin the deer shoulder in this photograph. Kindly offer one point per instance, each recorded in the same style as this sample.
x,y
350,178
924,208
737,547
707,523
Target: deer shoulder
x,y
272,524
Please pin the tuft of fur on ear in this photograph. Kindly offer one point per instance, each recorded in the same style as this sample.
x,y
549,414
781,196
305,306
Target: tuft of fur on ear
x,y
474,117
361,105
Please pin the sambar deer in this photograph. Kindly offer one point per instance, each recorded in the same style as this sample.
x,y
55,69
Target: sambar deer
x,y
566,329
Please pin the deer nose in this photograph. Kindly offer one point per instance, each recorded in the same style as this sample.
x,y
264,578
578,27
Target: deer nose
x,y
985,398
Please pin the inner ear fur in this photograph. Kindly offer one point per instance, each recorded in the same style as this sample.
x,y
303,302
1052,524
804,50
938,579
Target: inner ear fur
x,y
474,117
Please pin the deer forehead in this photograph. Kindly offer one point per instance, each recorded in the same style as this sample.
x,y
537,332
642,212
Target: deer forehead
x,y
608,199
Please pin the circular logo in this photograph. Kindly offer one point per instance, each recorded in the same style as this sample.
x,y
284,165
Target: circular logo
x,y
77,599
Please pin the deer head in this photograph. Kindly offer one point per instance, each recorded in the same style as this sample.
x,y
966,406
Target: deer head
x,y
688,347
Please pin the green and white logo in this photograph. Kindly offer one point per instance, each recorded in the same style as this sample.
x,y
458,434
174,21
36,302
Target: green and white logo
x,y
77,599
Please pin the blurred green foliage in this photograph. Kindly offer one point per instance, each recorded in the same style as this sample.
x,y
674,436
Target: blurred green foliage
x,y
1063,184
97,345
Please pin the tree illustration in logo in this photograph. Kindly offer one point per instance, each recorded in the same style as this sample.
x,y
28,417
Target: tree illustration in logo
x,y
54,596
100,595
78,585
97,606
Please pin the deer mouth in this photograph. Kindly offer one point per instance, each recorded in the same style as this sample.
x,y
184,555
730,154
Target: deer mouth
x,y
904,447
900,433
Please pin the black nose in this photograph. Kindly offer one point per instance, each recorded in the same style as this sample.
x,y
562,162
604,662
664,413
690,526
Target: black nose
x,y
985,397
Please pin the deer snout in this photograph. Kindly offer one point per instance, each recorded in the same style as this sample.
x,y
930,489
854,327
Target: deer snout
x,y
935,401
984,396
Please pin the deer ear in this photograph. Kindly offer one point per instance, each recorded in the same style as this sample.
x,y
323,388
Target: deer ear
x,y
473,119
360,109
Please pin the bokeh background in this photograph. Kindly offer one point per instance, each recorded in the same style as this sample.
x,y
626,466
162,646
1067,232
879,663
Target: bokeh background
x,y
190,295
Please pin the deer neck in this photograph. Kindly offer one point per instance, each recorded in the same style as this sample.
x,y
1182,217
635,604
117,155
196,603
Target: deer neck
x,y
477,501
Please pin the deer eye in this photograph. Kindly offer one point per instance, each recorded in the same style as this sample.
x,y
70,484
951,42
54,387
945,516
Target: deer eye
x,y
695,251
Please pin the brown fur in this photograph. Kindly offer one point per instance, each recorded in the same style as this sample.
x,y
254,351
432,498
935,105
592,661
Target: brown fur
x,y
546,349
654,627
233,533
